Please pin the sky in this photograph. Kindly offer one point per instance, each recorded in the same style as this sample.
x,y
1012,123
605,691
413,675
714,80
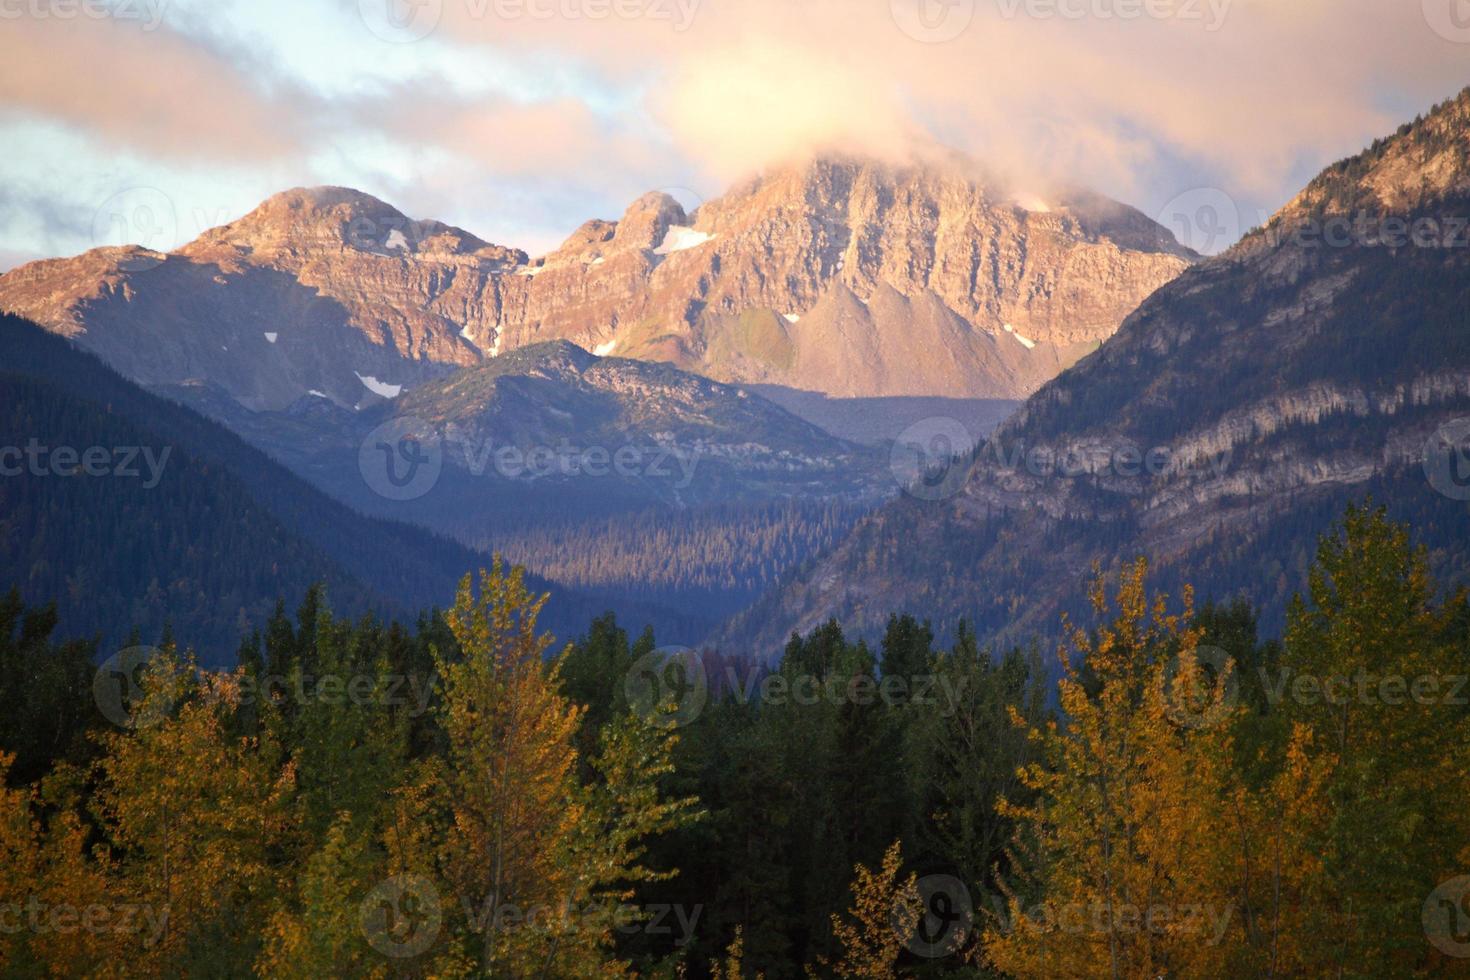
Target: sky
x,y
149,121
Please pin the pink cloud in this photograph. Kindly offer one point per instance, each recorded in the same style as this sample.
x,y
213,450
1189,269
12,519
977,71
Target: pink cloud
x,y
152,91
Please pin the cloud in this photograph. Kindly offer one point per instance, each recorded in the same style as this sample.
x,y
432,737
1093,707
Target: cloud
x,y
149,90
1091,91
580,105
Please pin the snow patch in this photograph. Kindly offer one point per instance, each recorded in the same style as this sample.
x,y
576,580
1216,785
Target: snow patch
x,y
270,338
1026,342
379,387
532,270
680,237
792,317
396,240
597,261
602,350
313,391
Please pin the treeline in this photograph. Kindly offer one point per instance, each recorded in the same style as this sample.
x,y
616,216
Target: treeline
x,y
465,799
713,558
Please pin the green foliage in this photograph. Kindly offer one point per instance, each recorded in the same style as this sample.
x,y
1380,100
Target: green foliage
x,y
267,809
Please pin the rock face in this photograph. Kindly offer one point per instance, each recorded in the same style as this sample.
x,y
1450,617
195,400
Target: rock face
x,y
313,290
852,278
1224,427
841,276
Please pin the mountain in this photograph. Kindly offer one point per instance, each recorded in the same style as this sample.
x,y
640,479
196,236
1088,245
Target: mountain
x,y
843,276
852,277
172,519
1323,359
552,430
691,493
314,290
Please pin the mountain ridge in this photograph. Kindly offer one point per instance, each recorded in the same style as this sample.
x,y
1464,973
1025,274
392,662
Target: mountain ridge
x,y
947,286
1275,383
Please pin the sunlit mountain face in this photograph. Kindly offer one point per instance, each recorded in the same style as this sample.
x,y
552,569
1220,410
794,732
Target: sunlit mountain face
x,y
677,488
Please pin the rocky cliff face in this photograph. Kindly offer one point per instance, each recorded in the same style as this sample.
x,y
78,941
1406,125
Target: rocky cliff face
x,y
852,277
1222,429
315,290
842,276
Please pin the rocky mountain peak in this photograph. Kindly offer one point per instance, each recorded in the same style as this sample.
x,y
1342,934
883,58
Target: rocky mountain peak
x,y
848,275
648,219
305,219
1424,161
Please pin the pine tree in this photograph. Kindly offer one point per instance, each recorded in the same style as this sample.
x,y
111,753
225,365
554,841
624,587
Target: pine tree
x,y
1380,668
